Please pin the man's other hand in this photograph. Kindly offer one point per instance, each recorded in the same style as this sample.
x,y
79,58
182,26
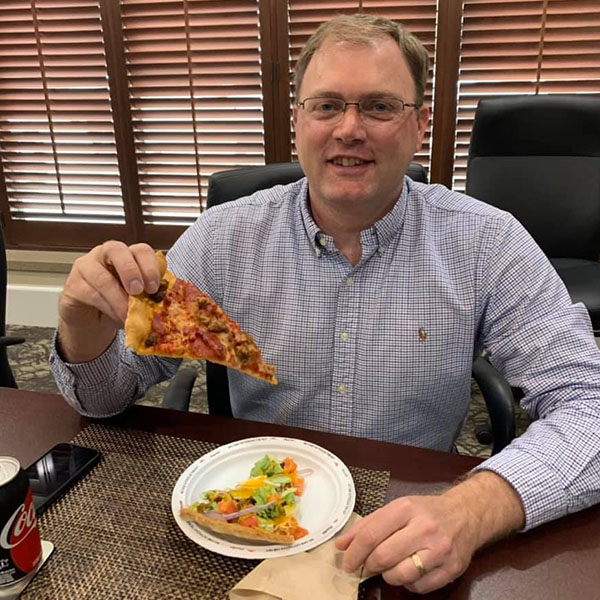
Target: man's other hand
x,y
443,531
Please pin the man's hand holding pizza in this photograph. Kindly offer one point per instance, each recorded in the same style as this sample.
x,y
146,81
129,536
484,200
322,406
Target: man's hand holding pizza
x,y
93,305
425,542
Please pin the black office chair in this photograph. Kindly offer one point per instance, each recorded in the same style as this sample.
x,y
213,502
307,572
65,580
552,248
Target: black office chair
x,y
230,185
6,375
538,157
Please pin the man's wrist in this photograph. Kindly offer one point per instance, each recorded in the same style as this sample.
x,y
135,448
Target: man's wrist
x,y
492,508
82,346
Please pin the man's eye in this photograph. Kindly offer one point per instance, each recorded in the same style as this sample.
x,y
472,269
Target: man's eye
x,y
326,107
378,107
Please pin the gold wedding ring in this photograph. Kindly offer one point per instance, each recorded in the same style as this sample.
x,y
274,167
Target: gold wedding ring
x,y
418,564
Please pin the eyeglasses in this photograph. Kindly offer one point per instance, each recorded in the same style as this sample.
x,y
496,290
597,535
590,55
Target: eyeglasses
x,y
374,108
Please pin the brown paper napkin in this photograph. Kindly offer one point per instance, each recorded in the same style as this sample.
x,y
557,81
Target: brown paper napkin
x,y
316,574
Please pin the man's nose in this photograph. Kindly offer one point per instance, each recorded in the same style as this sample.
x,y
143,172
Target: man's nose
x,y
350,127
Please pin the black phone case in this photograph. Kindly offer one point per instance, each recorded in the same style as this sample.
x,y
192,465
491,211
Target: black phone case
x,y
43,502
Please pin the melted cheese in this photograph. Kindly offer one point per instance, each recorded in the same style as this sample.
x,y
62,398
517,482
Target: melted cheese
x,y
248,487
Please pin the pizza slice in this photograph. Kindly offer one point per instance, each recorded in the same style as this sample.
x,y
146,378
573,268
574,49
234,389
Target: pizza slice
x,y
180,321
261,508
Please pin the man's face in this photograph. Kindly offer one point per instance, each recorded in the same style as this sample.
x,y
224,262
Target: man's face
x,y
376,154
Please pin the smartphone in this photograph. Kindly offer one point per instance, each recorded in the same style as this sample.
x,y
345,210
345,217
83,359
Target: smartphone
x,y
57,471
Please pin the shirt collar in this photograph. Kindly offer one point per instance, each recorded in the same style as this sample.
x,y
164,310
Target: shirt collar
x,y
383,230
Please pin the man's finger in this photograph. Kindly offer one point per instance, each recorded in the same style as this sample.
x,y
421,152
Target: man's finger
x,y
104,291
343,541
434,580
94,300
145,258
117,257
407,572
373,530
397,549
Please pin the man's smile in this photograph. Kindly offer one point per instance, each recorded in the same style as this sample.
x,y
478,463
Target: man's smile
x,y
349,163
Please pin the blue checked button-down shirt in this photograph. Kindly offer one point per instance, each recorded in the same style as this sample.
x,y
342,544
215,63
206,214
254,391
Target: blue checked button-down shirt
x,y
384,349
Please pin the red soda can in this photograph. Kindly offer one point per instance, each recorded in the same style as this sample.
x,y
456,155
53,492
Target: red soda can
x,y
20,544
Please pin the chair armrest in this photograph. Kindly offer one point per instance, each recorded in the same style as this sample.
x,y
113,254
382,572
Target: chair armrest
x,y
499,400
9,340
178,394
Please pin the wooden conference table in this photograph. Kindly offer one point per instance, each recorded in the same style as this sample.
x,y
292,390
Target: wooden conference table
x,y
556,561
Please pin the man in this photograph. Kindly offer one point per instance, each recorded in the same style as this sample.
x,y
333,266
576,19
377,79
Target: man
x,y
370,292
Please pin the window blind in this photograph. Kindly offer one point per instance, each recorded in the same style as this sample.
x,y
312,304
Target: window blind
x,y
57,143
418,16
524,47
114,113
194,80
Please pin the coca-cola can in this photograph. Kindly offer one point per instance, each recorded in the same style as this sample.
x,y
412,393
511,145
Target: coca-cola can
x,y
20,544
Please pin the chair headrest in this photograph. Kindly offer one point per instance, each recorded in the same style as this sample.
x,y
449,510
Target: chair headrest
x,y
237,183
538,157
536,125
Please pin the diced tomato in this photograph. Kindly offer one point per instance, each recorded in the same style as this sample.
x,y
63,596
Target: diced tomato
x,y
226,507
299,484
300,532
289,465
249,521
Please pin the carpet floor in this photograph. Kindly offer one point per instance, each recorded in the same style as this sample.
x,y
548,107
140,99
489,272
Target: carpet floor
x,y
29,362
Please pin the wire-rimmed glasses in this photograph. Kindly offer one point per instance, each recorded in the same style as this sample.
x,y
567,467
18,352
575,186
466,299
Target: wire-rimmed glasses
x,y
376,109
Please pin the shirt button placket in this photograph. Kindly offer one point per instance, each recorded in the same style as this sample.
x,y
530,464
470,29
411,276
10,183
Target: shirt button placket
x,y
344,356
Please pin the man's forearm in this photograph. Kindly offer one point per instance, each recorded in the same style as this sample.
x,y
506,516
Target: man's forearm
x,y
493,507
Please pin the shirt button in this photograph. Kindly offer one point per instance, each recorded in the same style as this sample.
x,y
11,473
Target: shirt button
x,y
381,249
323,241
318,251
350,281
342,389
344,336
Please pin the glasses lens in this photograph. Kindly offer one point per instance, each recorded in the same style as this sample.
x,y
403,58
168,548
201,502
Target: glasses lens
x,y
324,108
381,109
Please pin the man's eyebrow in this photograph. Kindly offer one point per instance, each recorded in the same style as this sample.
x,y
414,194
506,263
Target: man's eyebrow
x,y
325,94
330,94
381,95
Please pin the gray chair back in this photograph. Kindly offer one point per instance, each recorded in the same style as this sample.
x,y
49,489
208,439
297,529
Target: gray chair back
x,y
538,157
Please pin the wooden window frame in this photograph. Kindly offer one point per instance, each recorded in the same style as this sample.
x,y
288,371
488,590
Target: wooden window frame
x,y
275,79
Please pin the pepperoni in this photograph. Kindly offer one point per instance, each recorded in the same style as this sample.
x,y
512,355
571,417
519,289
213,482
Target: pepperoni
x,y
203,344
158,324
190,293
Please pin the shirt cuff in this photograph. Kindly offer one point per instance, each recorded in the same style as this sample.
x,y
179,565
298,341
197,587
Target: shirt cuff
x,y
539,487
95,373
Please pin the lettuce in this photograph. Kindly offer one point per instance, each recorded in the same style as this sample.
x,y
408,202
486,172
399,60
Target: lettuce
x,y
265,466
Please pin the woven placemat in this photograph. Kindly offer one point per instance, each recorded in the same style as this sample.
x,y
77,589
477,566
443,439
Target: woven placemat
x,y
114,534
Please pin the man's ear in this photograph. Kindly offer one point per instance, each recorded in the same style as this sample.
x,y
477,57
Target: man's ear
x,y
422,122
294,115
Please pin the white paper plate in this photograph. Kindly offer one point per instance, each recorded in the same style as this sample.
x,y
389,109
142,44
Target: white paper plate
x,y
324,508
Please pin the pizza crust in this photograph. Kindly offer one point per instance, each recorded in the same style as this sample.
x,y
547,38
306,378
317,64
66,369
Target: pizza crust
x,y
248,533
140,313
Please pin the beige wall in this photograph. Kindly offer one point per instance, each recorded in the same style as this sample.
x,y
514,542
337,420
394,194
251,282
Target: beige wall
x,y
35,280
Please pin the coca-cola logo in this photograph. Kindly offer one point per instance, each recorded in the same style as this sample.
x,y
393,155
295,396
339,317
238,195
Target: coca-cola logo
x,y
24,523
20,536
